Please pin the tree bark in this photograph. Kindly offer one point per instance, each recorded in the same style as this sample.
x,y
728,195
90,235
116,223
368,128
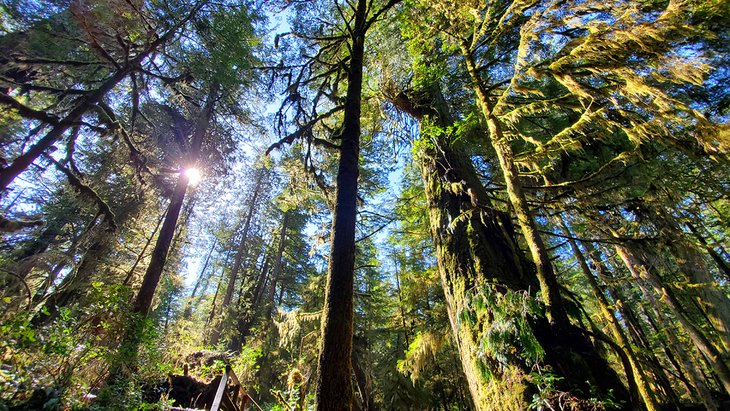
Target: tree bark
x,y
334,382
480,263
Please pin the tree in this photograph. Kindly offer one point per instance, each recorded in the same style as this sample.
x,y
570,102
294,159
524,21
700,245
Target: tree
x,y
334,386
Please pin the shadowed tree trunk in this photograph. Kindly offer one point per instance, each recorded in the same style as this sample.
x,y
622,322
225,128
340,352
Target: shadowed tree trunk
x,y
143,301
334,382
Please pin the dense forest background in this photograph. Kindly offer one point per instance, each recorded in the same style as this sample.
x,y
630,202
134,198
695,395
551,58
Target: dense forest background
x,y
366,204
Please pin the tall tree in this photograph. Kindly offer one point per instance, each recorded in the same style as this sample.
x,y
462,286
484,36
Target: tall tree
x,y
345,46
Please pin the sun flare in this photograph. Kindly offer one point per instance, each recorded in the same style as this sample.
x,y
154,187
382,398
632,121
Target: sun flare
x,y
193,175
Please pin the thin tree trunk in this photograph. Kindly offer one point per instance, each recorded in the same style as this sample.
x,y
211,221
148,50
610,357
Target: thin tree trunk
x,y
633,326
276,272
242,249
400,305
211,316
189,306
639,386
545,273
641,273
261,282
140,256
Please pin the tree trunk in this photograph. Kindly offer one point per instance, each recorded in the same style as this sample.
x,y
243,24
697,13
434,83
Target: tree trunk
x,y
482,269
276,272
130,274
189,306
641,273
401,309
636,332
639,385
242,249
545,274
334,382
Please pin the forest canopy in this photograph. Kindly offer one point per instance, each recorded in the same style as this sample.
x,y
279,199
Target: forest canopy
x,y
365,204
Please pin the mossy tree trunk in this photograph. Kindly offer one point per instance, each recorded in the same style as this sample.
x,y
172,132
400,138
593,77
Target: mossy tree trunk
x,y
489,284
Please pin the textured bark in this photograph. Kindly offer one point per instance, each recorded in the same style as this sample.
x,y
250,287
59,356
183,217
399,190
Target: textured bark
x,y
334,382
545,273
479,258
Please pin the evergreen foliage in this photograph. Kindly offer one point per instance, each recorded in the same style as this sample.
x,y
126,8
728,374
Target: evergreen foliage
x,y
483,204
